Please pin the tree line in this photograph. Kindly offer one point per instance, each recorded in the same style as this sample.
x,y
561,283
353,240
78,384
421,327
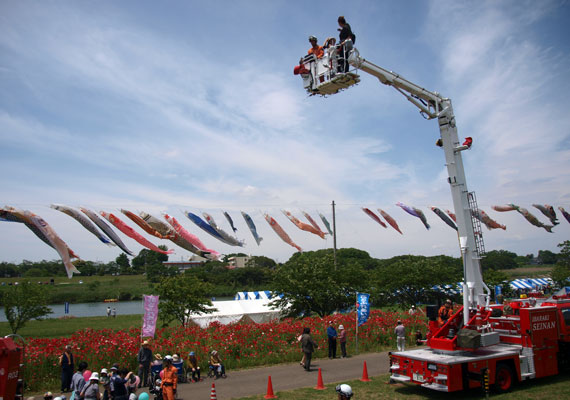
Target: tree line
x,y
319,282
151,263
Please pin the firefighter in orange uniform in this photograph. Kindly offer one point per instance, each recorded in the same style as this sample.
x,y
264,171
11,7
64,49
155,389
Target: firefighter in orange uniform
x,y
169,380
445,311
315,49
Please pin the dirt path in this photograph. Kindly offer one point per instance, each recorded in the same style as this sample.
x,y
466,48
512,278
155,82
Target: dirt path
x,y
285,377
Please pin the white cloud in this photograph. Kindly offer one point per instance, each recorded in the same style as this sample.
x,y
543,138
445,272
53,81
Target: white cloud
x,y
108,111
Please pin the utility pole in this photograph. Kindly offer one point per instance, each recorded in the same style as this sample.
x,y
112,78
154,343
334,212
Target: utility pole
x,y
334,235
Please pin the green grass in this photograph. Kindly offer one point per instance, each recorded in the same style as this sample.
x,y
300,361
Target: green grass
x,y
93,288
65,327
530,271
555,387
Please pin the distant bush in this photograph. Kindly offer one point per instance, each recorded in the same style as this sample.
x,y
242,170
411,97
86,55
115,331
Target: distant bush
x,y
125,296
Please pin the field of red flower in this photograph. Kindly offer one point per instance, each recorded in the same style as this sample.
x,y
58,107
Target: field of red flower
x,y
240,345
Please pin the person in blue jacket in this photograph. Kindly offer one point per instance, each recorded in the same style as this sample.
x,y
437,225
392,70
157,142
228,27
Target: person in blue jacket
x,y
332,335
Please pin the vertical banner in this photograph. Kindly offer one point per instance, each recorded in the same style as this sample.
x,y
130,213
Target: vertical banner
x,y
150,304
66,308
362,312
498,294
362,307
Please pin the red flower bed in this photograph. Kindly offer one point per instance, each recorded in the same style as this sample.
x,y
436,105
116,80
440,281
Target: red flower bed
x,y
240,345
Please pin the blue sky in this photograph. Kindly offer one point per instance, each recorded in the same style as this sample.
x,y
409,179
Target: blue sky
x,y
187,105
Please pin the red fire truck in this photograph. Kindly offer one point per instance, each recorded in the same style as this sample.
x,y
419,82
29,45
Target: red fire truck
x,y
11,356
499,344
508,343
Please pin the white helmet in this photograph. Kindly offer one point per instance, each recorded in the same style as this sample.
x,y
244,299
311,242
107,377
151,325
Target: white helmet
x,y
345,390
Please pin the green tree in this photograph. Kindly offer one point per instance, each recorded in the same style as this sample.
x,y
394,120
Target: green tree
x,y
23,303
34,272
87,268
123,264
261,262
547,257
499,259
410,279
156,271
310,283
149,258
560,274
111,268
8,270
182,295
494,278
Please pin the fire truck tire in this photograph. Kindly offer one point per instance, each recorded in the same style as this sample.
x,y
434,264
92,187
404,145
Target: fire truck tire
x,y
504,378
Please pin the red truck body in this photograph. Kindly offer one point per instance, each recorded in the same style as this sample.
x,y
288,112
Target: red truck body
x,y
528,339
10,362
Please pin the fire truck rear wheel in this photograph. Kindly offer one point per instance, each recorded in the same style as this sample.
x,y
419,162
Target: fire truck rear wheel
x,y
504,378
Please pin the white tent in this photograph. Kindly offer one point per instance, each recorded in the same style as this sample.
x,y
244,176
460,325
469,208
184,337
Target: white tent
x,y
227,312
262,294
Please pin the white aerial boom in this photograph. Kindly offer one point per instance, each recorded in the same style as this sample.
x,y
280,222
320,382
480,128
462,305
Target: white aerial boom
x,y
480,344
321,76
432,105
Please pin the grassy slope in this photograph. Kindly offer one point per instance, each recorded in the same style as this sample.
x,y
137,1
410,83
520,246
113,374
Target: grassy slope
x,y
530,271
93,288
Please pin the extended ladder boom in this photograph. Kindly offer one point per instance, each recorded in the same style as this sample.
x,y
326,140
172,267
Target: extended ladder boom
x,y
432,105
428,102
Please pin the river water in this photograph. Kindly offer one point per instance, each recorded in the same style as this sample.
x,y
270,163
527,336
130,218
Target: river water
x,y
90,309
95,309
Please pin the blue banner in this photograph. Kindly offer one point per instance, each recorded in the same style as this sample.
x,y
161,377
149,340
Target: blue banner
x,y
362,307
498,290
66,307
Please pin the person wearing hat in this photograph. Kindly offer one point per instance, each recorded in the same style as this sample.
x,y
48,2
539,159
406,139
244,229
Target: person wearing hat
x,y
412,310
342,340
67,366
216,362
105,380
193,366
315,48
91,390
169,379
445,312
144,358
48,396
344,391
332,335
114,372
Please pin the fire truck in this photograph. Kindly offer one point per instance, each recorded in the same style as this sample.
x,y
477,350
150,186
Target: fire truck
x,y
480,344
11,359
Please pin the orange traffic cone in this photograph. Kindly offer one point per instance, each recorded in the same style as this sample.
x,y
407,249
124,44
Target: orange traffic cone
x,y
320,385
365,374
213,395
269,394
